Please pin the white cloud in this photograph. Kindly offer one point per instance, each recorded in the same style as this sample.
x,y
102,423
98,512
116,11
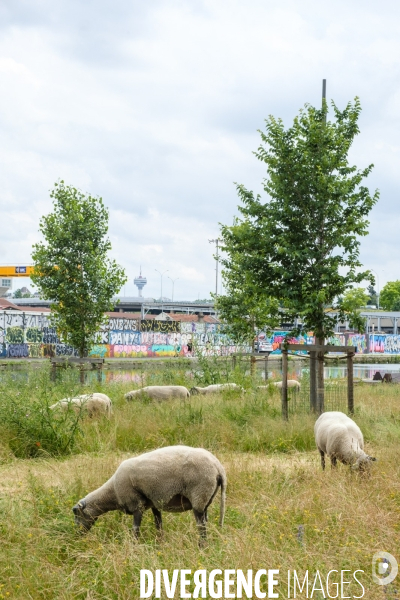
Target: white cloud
x,y
155,107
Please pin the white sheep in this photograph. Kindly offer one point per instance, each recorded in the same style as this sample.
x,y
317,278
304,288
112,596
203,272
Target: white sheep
x,y
340,438
217,387
94,404
174,479
160,392
291,383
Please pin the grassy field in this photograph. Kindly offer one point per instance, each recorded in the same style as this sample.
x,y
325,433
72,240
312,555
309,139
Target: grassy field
x,y
275,485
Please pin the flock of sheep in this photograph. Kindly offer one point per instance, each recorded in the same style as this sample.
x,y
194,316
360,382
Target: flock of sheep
x,y
181,478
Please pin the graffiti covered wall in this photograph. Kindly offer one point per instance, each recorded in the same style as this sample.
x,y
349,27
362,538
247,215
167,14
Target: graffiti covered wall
x,y
30,335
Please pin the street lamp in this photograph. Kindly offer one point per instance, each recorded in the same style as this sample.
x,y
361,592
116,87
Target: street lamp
x,y
162,302
173,283
216,242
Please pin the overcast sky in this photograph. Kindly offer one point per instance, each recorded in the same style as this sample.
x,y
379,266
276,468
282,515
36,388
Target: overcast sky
x,y
155,107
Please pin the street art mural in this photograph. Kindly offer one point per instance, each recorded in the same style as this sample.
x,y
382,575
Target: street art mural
x,y
26,335
31,335
385,343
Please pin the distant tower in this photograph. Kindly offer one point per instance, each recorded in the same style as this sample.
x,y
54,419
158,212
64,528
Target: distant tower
x,y
140,282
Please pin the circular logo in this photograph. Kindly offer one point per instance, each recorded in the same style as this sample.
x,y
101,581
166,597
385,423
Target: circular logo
x,y
384,568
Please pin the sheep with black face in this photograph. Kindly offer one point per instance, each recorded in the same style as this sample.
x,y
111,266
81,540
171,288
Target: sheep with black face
x,y
174,479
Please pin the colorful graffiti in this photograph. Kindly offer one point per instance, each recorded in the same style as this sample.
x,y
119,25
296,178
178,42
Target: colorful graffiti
x,y
24,335
31,335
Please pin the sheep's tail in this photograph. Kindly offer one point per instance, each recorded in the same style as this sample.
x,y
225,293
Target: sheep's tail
x,y
223,498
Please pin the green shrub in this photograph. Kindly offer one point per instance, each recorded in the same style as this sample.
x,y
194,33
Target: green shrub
x,y
29,428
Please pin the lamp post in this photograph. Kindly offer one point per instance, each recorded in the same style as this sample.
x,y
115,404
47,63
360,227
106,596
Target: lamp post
x,y
173,283
216,242
162,302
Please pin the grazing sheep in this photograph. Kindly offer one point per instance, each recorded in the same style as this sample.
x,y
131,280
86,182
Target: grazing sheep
x,y
291,383
160,392
218,387
340,438
94,404
175,479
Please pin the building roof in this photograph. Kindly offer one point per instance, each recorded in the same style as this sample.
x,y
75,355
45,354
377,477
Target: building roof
x,y
7,305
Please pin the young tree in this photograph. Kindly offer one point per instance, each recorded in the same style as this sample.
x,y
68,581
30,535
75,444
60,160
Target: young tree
x,y
71,266
302,244
354,299
390,295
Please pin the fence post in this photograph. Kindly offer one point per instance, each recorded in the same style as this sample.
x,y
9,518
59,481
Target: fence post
x,y
350,383
266,368
313,381
284,385
320,378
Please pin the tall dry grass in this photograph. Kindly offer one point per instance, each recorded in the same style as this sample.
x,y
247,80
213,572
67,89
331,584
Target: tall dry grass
x,y
275,484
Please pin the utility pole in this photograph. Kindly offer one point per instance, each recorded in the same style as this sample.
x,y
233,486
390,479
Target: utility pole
x,y
162,301
324,96
173,283
216,242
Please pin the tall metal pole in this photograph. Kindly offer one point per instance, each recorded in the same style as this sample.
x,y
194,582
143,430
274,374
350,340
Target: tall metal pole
x,y
324,96
216,242
173,283
162,301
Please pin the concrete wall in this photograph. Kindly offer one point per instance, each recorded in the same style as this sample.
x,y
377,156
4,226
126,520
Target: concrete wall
x,y
30,335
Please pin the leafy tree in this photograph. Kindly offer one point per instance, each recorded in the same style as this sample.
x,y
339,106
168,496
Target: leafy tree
x,y
18,294
302,244
71,266
354,299
244,308
390,295
373,296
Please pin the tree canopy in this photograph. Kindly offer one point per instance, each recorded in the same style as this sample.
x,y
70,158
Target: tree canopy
x,y
354,299
245,308
389,298
301,244
71,266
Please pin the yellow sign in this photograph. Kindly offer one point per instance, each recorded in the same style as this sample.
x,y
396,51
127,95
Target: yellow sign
x,y
20,271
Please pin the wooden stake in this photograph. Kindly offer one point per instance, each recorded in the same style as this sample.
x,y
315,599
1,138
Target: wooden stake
x,y
285,413
350,383
313,381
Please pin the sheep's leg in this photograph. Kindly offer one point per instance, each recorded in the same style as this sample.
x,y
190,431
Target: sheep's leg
x,y
157,519
322,459
333,462
201,520
137,519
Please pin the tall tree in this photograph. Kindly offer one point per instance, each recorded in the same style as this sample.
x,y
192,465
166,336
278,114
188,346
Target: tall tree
x,y
390,295
71,266
302,244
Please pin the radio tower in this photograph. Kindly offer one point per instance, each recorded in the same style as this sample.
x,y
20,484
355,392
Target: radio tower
x,y
140,282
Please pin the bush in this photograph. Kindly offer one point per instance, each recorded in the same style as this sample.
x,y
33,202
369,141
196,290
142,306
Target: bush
x,y
28,426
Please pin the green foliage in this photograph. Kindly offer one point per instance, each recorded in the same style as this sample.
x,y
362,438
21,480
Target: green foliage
x,y
373,296
354,299
28,426
244,308
390,295
302,244
71,267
